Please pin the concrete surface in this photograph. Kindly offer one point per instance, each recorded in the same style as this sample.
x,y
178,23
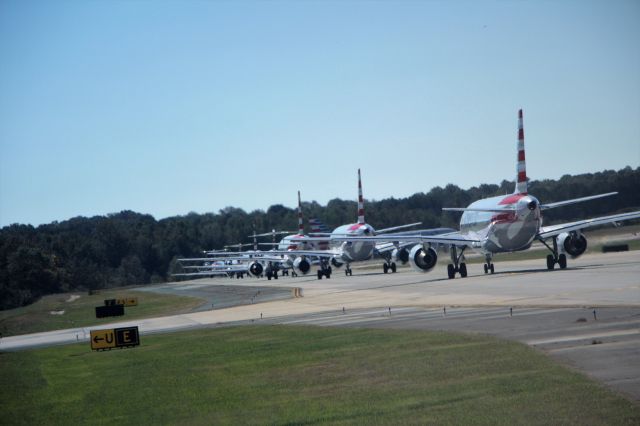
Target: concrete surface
x,y
552,310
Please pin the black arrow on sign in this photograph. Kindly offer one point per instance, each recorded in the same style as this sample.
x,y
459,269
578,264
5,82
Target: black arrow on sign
x,y
97,339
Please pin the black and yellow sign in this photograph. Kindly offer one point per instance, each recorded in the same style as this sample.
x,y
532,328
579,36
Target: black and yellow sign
x,y
124,301
128,301
109,311
114,338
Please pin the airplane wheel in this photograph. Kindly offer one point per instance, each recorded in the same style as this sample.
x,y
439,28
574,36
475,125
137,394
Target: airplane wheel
x,y
327,274
346,272
275,276
491,268
385,268
486,268
330,270
562,261
319,275
451,271
393,267
463,270
550,262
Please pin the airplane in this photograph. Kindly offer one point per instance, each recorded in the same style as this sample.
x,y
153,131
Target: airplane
x,y
342,252
268,263
506,224
295,242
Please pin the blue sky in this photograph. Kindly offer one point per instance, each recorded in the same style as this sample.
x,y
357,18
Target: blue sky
x,y
167,107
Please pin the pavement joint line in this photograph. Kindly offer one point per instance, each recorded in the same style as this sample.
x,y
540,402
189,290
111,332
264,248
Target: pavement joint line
x,y
561,339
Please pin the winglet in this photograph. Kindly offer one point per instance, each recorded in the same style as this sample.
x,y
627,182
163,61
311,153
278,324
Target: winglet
x,y
521,168
360,201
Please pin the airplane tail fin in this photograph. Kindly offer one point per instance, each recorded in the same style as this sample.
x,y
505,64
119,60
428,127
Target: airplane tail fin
x,y
300,223
360,200
317,227
521,168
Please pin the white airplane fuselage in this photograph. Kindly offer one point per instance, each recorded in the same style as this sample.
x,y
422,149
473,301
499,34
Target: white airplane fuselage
x,y
354,251
499,232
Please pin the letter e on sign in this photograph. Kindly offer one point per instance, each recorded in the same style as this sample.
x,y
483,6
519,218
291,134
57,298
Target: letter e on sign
x,y
127,336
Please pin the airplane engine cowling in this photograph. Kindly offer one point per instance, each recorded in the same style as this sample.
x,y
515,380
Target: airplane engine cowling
x,y
256,269
421,259
335,262
400,255
572,243
302,265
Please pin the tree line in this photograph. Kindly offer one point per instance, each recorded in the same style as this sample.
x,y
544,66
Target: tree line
x,y
131,248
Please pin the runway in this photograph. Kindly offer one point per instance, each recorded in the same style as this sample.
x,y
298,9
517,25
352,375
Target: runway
x,y
587,316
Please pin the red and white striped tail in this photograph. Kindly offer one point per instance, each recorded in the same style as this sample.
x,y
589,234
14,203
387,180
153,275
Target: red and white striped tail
x,y
300,223
521,169
360,200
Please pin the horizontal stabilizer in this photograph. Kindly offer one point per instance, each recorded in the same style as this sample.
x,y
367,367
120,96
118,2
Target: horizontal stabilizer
x,y
395,228
268,234
575,200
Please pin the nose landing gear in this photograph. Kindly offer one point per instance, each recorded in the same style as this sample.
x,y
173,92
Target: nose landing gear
x,y
488,266
389,266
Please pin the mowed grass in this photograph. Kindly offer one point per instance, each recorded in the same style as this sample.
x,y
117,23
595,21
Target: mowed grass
x,y
80,312
303,375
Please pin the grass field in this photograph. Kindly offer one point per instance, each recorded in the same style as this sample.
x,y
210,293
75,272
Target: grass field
x,y
80,311
303,375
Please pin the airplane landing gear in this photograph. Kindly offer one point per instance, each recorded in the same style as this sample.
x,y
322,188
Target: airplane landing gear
x,y
325,270
389,266
488,266
555,257
347,271
457,266
273,275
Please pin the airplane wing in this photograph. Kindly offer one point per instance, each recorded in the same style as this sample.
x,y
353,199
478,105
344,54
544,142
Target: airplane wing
x,y
453,238
201,274
395,228
553,230
465,209
575,200
386,247
313,253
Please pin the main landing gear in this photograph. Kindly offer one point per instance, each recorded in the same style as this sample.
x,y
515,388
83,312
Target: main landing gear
x,y
457,266
555,257
488,266
389,266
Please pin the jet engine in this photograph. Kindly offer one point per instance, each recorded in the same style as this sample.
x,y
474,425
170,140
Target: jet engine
x,y
421,259
256,269
302,265
400,255
572,243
